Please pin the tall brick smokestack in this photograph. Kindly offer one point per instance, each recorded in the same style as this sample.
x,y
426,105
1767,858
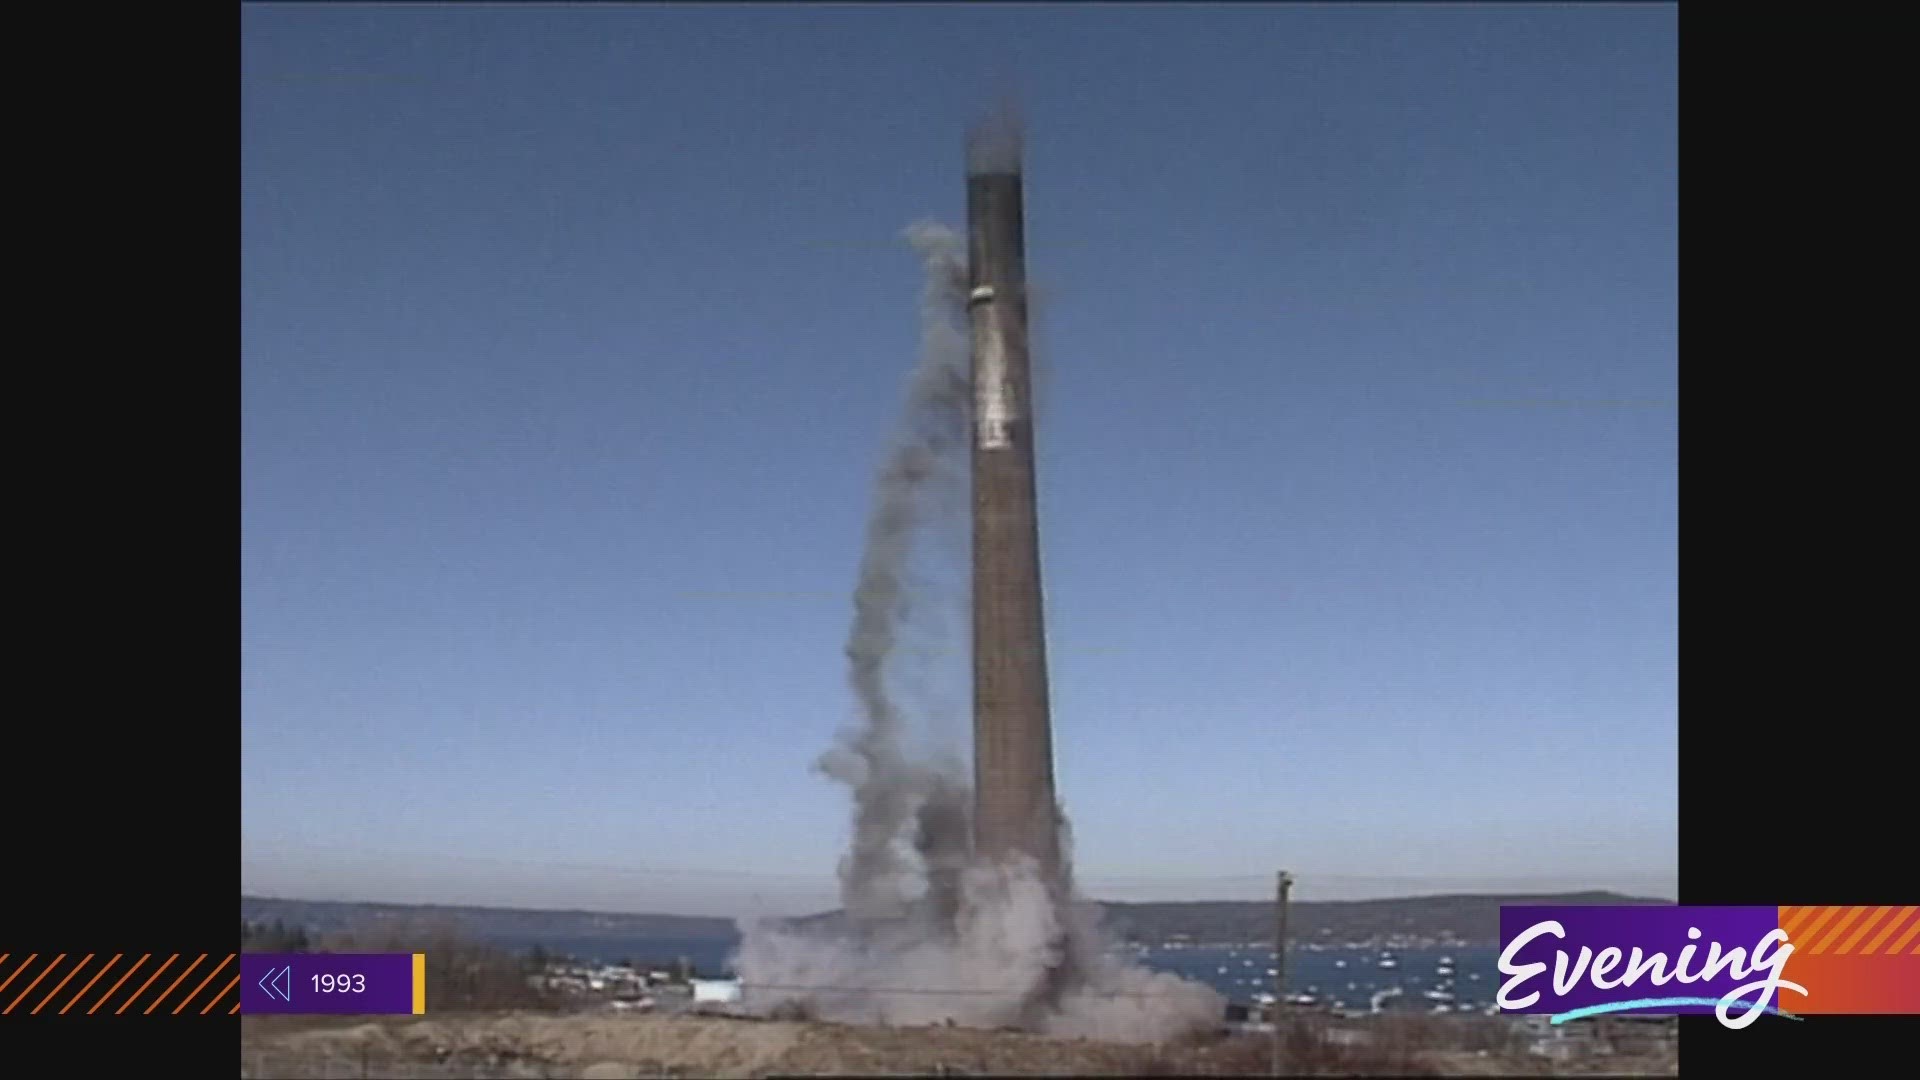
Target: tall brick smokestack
x,y
1014,805
999,924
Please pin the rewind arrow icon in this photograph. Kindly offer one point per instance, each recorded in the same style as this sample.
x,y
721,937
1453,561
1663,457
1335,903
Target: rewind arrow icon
x,y
278,983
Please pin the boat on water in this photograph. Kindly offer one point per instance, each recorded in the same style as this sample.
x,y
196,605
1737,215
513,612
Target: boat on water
x,y
1389,962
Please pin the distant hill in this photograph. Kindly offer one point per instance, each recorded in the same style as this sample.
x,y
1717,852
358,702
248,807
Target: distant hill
x,y
1469,918
327,916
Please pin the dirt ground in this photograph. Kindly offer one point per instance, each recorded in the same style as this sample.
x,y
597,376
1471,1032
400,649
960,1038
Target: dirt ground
x,y
601,1046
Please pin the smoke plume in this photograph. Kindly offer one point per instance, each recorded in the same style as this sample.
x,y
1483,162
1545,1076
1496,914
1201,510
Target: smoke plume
x,y
891,789
925,935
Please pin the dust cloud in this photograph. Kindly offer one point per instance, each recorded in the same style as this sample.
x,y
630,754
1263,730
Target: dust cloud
x,y
926,935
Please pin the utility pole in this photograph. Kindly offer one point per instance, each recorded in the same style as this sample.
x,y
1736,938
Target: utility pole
x,y
1284,886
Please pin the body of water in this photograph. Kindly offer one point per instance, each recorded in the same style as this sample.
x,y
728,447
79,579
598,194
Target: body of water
x,y
709,956
1460,977
1463,977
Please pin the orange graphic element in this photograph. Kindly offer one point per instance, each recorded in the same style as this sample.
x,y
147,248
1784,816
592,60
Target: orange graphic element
x,y
1904,938
174,983
82,992
149,982
1900,917
17,971
62,985
31,985
1852,960
1879,915
117,982
1815,921
1790,919
1828,938
14,999
215,999
203,984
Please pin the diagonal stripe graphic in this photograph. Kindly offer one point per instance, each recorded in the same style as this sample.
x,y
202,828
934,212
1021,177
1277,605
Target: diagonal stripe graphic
x,y
1879,915
1839,927
82,992
62,985
34,983
215,999
116,983
1816,925
1803,917
144,985
1892,927
1901,942
31,956
203,983
174,983
235,1009
1794,919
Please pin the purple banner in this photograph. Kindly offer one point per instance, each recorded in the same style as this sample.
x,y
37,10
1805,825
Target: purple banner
x,y
1571,962
366,983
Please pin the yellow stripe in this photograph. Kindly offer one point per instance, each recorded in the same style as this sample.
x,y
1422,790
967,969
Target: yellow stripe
x,y
419,983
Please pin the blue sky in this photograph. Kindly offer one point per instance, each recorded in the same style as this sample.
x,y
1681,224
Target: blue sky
x,y
572,337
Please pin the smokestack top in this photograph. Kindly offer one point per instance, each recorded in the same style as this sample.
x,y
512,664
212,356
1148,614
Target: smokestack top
x,y
995,144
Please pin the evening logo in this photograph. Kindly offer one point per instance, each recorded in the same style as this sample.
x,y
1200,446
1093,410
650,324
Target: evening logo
x,y
1574,962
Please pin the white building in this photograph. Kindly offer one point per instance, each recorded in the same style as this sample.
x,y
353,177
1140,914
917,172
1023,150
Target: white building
x,y
716,991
